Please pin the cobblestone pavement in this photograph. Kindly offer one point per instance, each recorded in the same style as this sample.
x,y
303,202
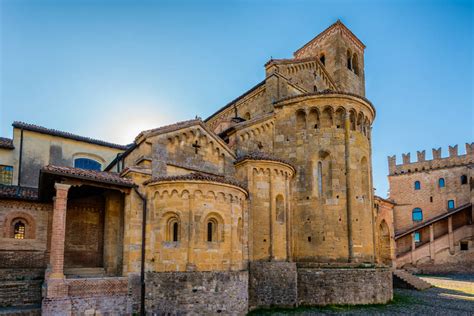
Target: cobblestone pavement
x,y
451,295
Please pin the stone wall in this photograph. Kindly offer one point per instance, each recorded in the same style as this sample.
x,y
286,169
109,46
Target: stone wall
x,y
272,284
20,287
200,293
96,295
319,286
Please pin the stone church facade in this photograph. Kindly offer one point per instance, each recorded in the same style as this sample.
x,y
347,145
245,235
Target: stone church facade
x,y
268,202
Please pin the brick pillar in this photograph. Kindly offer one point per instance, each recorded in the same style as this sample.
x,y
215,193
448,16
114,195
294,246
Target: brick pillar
x,y
56,260
56,286
413,246
432,248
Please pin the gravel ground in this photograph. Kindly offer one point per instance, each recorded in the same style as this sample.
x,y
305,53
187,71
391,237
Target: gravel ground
x,y
452,295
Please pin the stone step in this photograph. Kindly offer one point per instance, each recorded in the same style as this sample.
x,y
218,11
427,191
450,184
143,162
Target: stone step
x,y
411,280
84,272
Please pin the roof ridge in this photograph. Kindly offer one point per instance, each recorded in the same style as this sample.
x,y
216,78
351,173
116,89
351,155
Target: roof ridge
x,y
55,132
336,24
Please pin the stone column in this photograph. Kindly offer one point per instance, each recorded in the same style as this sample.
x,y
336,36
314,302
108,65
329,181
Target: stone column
x,y
450,235
56,260
432,248
190,266
347,128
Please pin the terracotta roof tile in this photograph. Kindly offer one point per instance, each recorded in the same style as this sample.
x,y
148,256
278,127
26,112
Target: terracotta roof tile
x,y
54,132
261,156
6,143
92,175
198,177
169,128
16,192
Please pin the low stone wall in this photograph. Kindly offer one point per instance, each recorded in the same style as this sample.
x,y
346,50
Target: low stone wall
x,y
272,284
20,287
201,293
323,286
93,295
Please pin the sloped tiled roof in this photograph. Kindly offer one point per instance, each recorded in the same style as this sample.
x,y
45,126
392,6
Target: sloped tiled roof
x,y
6,143
261,156
54,132
168,128
92,175
16,192
198,177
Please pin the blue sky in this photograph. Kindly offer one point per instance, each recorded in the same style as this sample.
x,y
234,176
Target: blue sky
x,y
108,69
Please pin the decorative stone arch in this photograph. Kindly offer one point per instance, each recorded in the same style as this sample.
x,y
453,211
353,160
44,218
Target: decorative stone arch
x,y
360,121
384,248
339,117
355,63
15,217
213,228
173,227
327,117
300,119
313,118
352,119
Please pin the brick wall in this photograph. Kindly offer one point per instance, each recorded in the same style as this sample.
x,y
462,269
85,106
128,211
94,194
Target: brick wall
x,y
20,287
201,293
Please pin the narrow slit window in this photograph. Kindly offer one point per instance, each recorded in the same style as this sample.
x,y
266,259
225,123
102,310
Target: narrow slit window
x,y
175,231
463,179
209,231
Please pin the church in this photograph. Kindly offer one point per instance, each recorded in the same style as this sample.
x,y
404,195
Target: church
x,y
266,203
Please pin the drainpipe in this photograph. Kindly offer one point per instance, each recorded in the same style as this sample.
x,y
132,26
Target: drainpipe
x,y
142,268
20,158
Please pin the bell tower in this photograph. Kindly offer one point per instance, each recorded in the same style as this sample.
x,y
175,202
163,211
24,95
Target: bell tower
x,y
342,55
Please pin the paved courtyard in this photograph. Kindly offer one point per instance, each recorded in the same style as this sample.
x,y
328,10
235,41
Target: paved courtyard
x,y
451,295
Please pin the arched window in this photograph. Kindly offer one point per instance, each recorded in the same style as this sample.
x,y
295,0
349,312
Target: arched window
x,y
417,214
322,59
210,231
349,60
19,230
463,179
175,231
172,229
355,64
315,89
88,164
280,209
214,229
450,204
417,185
441,183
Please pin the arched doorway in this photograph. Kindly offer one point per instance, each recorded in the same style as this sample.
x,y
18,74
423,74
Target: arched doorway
x,y
384,253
